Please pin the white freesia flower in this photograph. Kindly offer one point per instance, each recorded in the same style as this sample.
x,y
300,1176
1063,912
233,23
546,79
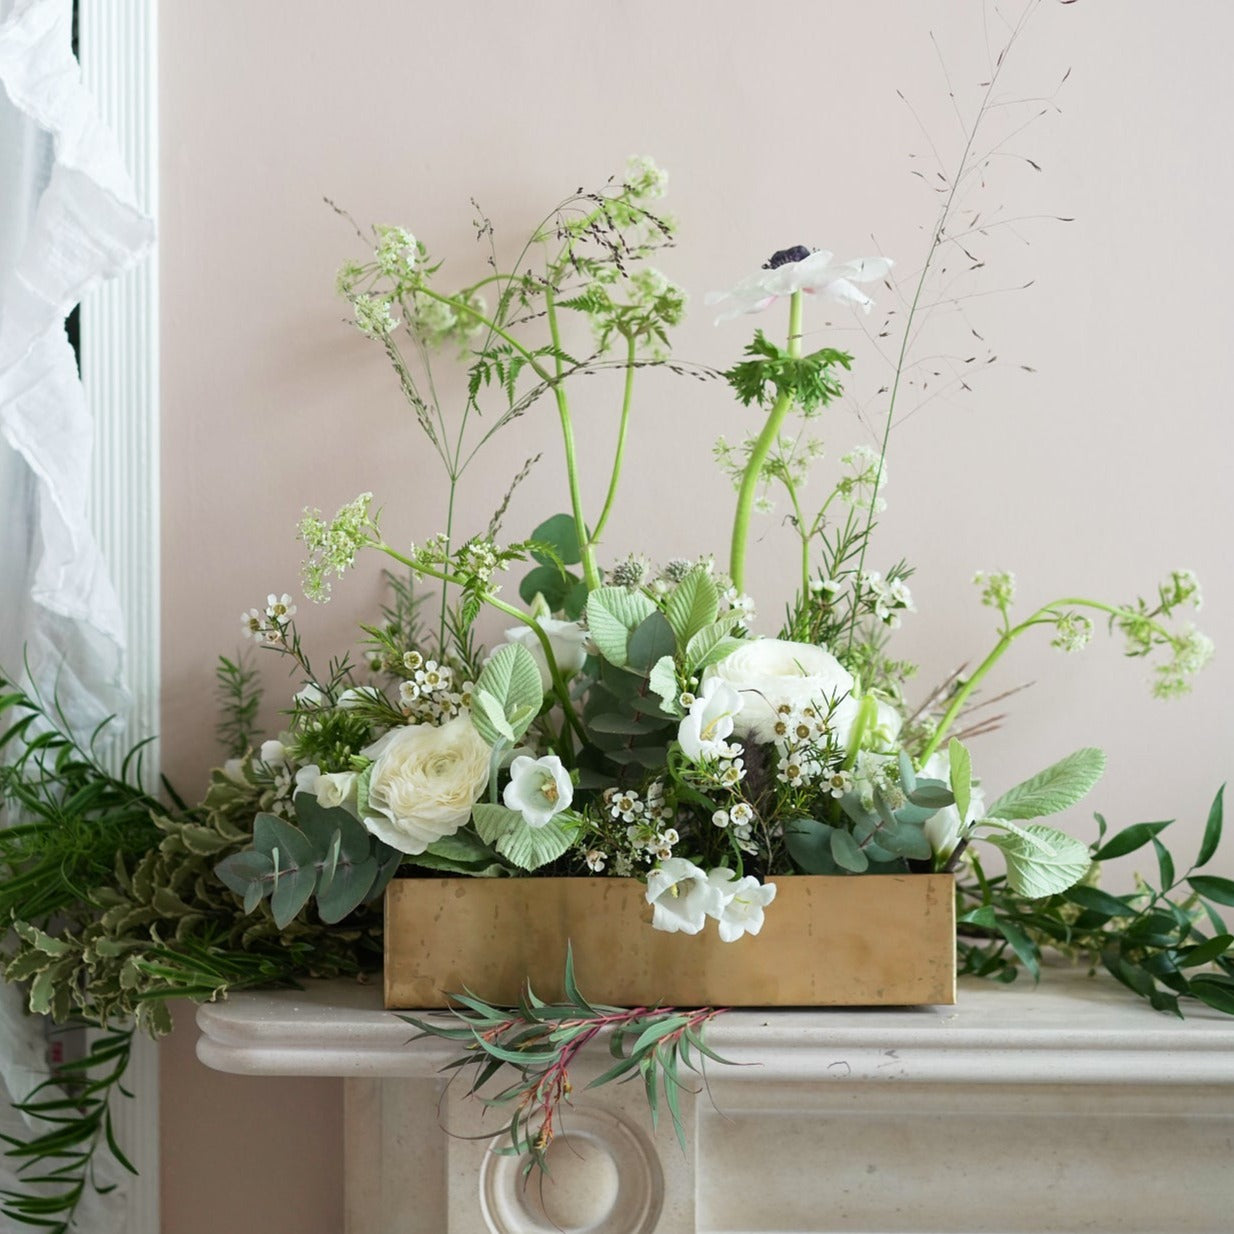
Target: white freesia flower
x,y
424,780
681,896
273,753
349,700
539,788
742,901
771,673
704,731
945,829
566,638
311,695
797,269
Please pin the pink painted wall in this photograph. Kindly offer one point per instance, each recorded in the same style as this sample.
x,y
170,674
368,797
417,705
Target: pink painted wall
x,y
780,124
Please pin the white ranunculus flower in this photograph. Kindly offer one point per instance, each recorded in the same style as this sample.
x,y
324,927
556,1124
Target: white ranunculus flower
x,y
307,777
772,672
424,780
705,729
742,902
797,269
539,788
566,638
681,896
945,829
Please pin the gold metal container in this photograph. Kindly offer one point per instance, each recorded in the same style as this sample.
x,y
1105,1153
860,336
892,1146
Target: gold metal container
x,y
868,940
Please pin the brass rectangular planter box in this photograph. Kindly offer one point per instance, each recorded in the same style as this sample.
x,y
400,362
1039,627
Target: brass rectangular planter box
x,y
869,940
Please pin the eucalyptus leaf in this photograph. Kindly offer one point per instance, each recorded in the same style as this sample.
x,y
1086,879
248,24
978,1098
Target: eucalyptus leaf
x,y
650,641
560,533
809,845
845,852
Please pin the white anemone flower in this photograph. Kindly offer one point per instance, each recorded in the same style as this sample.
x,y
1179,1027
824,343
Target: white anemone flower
x,y
797,269
681,896
539,788
741,903
704,731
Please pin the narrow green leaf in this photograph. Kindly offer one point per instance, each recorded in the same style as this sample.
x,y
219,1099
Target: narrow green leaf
x,y
1129,839
960,770
1212,830
1220,890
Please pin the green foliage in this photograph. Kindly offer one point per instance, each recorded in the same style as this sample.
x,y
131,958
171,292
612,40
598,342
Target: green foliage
x,y
1041,861
57,1165
1166,941
239,690
539,1042
1056,788
329,857
613,614
508,695
771,371
520,843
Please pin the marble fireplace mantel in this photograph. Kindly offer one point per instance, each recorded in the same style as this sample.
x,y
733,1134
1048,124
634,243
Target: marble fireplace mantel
x,y
1021,1110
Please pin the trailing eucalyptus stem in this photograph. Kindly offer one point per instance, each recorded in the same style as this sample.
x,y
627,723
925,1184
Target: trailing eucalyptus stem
x,y
542,1041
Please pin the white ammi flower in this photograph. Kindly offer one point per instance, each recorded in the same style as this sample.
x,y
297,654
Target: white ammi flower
x,y
771,673
681,896
742,901
797,269
706,727
539,788
424,780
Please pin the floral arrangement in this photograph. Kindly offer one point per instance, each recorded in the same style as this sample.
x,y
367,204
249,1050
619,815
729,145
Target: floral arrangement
x,y
630,722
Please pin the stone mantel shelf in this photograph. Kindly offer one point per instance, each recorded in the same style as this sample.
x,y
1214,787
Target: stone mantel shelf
x,y
1071,1028
1065,1107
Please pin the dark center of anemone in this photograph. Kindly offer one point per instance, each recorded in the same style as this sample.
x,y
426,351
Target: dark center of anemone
x,y
798,252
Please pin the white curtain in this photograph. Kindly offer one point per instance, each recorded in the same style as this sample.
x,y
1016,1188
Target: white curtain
x,y
68,218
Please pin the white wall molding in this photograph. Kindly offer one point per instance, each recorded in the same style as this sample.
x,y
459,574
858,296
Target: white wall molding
x,y
118,50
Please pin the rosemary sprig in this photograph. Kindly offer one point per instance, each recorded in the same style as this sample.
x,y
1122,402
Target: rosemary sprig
x,y
542,1041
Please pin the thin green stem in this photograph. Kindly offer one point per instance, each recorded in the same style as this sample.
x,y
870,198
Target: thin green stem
x,y
590,574
456,304
619,453
1008,636
758,456
559,685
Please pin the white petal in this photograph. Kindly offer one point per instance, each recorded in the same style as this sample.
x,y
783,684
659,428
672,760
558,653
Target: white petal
x,y
864,269
842,291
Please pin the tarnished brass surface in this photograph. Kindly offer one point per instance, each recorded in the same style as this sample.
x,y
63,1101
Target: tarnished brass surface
x,y
870,940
